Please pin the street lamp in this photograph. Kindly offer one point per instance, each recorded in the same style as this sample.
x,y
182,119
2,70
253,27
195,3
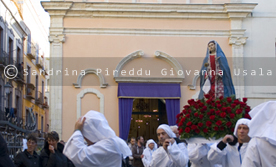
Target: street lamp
x,y
8,88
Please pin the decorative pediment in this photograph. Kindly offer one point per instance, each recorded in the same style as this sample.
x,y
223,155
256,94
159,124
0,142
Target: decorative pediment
x,y
158,54
127,59
103,84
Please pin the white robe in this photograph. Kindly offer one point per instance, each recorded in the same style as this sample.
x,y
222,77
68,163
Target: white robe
x,y
147,156
229,156
198,155
175,156
260,153
104,153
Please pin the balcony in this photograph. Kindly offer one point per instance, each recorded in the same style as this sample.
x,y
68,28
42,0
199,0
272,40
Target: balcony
x,y
45,104
31,51
20,76
10,115
45,70
39,99
39,63
3,58
30,91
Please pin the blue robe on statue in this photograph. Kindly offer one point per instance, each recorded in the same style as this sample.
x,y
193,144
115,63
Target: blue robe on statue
x,y
226,77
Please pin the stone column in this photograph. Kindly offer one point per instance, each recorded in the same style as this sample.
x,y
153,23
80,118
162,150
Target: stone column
x,y
56,38
238,64
237,40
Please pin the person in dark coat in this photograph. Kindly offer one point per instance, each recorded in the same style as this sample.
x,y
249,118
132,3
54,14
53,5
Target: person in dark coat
x,y
28,158
137,152
51,155
5,160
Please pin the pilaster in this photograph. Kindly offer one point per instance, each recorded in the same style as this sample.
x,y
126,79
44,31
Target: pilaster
x,y
56,39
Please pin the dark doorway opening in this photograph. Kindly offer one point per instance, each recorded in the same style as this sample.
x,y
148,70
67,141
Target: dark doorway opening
x,y
147,115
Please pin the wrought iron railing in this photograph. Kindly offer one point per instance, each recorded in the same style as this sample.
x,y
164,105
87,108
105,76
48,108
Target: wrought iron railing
x,y
14,131
39,99
30,91
3,57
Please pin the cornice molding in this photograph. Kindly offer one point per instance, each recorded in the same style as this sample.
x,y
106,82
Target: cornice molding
x,y
154,32
149,10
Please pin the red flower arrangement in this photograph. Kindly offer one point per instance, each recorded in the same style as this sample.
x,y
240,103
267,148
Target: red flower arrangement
x,y
211,118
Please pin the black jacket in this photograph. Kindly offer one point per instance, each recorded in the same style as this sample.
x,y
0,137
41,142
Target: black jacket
x,y
25,159
58,159
5,161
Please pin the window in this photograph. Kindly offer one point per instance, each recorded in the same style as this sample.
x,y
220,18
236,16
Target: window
x,y
10,59
42,91
37,53
1,40
1,104
36,119
18,61
29,44
42,122
28,116
36,87
29,74
17,101
9,101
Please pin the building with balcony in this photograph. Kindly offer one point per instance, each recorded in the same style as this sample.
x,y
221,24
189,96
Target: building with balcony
x,y
13,30
23,103
36,49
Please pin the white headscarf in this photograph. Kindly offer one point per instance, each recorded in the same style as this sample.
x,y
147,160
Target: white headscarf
x,y
149,142
242,121
263,122
96,128
25,147
167,129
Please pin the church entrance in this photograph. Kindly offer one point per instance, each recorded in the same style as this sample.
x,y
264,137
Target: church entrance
x,y
147,115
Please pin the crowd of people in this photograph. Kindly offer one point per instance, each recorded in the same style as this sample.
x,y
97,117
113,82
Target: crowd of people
x,y
94,143
50,156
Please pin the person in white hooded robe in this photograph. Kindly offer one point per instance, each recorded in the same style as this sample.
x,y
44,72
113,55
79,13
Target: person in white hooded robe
x,y
151,146
198,155
231,150
261,150
170,153
104,148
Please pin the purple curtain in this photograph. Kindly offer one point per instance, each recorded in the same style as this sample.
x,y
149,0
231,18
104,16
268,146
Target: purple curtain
x,y
173,108
125,111
128,91
149,90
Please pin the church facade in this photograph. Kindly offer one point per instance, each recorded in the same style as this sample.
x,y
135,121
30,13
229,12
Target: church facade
x,y
138,62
